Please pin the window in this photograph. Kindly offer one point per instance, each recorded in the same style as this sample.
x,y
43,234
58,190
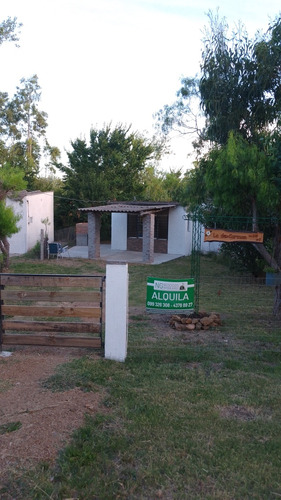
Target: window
x,y
161,227
160,230
134,226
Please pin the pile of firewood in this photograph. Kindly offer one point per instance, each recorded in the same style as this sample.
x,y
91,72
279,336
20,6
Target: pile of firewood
x,y
195,321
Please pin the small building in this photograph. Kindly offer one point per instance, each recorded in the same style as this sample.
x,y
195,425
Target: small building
x,y
139,226
36,211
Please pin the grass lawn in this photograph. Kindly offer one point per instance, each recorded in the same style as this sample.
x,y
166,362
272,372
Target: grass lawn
x,y
192,415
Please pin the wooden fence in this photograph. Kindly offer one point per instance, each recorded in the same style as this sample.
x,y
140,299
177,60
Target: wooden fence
x,y
51,310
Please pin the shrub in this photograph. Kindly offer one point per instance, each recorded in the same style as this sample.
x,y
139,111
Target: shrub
x,y
33,253
242,257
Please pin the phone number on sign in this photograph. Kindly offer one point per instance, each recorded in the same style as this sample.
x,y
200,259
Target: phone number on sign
x,y
167,305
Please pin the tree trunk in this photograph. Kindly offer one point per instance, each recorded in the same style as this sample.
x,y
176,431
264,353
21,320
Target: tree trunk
x,y
5,249
254,216
277,255
267,256
277,302
271,260
277,244
274,262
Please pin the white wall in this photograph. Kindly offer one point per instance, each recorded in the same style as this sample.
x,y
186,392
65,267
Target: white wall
x,y
179,232
34,208
119,231
209,246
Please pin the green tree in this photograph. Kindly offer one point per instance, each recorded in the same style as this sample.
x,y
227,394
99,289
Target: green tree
x,y
239,90
11,181
160,185
23,130
175,185
182,116
154,189
240,82
22,125
237,179
9,30
109,167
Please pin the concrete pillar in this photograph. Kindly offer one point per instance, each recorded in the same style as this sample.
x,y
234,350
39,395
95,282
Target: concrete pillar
x,y
119,231
179,232
148,238
116,311
93,235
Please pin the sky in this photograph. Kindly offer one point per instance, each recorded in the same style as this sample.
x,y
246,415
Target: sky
x,y
114,61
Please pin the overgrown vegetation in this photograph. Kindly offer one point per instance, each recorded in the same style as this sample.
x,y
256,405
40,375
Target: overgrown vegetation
x,y
34,253
188,415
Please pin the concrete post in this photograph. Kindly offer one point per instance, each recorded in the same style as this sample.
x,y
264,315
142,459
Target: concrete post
x,y
93,235
116,311
148,238
42,244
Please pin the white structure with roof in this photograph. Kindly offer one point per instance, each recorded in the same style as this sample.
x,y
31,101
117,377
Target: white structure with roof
x,y
36,211
141,226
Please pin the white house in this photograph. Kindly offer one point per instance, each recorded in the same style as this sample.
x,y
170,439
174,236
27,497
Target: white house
x,y
141,226
172,232
36,210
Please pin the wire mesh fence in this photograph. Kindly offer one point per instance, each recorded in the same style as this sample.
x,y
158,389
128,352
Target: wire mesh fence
x,y
66,235
240,294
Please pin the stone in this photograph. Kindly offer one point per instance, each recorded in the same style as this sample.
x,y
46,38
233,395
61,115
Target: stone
x,y
182,322
206,321
180,327
186,321
175,318
190,326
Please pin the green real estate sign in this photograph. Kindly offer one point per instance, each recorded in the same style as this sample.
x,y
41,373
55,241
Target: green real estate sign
x,y
170,295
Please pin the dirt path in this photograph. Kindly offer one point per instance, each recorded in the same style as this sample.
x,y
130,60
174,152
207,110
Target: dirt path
x,y
47,419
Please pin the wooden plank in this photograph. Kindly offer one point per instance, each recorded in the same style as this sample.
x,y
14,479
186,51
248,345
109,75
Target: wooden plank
x,y
51,311
51,326
74,303
232,236
51,280
52,296
52,340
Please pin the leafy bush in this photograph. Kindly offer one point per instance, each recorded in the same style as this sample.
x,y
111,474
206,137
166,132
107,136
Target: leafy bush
x,y
242,257
33,253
